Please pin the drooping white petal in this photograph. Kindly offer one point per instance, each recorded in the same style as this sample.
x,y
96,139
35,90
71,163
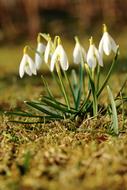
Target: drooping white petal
x,y
47,51
114,45
78,53
91,60
22,65
107,43
83,53
54,58
59,55
41,48
63,58
27,70
98,56
31,65
100,48
38,61
39,53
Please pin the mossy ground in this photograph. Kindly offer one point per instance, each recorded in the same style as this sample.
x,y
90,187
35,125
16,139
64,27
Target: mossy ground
x,y
71,155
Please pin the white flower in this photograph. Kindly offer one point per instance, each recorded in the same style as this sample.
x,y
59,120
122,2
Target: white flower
x,y
27,65
38,55
93,56
60,56
107,43
48,51
79,53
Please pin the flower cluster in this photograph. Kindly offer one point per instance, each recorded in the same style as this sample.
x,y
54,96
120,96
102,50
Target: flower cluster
x,y
80,91
54,54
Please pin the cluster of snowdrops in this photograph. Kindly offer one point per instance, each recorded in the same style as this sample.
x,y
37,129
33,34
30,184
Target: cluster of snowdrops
x,y
79,97
53,53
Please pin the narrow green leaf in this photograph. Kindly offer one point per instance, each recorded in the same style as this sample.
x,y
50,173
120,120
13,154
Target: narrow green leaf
x,y
114,112
84,104
59,104
23,114
47,87
78,100
121,89
44,119
42,109
52,104
74,82
93,90
70,86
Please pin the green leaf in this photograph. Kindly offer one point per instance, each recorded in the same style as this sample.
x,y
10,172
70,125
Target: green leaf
x,y
57,106
70,86
74,82
80,86
21,113
47,87
93,90
43,109
114,112
44,119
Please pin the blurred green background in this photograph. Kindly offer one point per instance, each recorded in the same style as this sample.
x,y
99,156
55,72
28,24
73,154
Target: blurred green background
x,y
21,20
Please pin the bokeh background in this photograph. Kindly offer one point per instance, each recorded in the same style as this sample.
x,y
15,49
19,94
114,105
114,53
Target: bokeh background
x,y
21,20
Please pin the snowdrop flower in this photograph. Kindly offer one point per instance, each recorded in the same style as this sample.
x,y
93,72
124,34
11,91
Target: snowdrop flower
x,y
40,52
93,55
60,56
48,50
27,65
107,43
79,53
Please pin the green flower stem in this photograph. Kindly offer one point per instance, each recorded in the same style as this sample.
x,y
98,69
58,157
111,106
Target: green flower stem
x,y
47,87
84,104
93,90
109,73
95,104
57,81
68,81
108,76
93,74
121,89
81,86
123,111
83,78
62,86
98,77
